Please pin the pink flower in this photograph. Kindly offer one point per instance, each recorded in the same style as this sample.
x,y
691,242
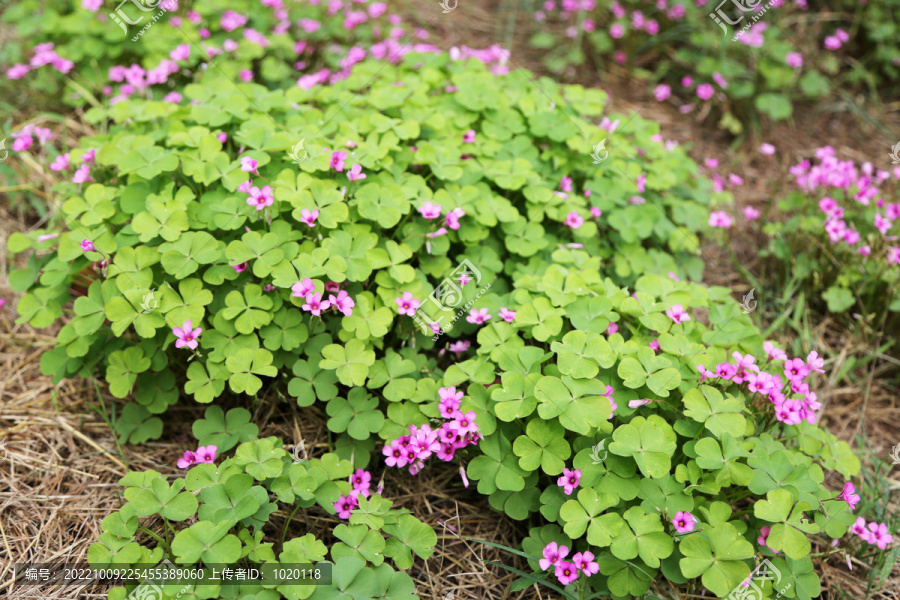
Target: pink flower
x,y
794,60
22,142
720,218
453,217
345,505
879,535
684,522
315,304
478,316
187,460
430,211
506,314
248,165
677,314
569,480
566,572
337,160
187,335
469,137
395,454
303,288
573,220
61,163
750,213
859,528
261,198
848,495
553,554
832,43
173,97
343,302
17,71
460,346
206,454
612,328
767,149
616,30
795,369
595,212
720,81
585,562
407,304
654,345
309,217
705,91
641,183
332,286
773,352
361,481
232,20
222,137
566,184
815,362
464,423
764,537
240,268
181,52
355,173
87,245
662,92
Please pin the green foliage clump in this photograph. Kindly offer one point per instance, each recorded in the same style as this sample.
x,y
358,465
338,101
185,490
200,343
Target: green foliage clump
x,y
173,239
215,515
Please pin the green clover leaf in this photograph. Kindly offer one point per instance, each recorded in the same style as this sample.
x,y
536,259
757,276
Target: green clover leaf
x,y
718,555
245,365
585,515
790,529
224,431
650,442
351,362
543,445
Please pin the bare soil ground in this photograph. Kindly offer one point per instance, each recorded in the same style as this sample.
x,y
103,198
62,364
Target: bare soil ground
x,y
60,463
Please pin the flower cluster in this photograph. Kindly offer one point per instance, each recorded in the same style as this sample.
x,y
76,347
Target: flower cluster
x,y
44,54
840,178
874,533
361,481
459,431
744,371
567,572
203,454
306,289
432,211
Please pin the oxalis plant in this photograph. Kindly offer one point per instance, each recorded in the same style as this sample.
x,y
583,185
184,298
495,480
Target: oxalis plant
x,y
596,391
